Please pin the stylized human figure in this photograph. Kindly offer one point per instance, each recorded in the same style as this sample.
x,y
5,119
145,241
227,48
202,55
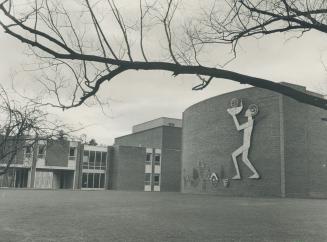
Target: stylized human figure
x,y
247,127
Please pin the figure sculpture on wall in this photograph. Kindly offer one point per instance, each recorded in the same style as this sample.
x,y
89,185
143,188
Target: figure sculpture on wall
x,y
252,110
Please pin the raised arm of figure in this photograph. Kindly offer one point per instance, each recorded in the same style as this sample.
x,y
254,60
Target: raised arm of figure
x,y
240,126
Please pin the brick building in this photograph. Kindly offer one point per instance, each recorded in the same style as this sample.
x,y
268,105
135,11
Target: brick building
x,y
273,146
146,160
149,158
251,142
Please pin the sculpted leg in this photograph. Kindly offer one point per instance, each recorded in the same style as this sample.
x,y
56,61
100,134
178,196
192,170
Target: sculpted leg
x,y
234,155
247,162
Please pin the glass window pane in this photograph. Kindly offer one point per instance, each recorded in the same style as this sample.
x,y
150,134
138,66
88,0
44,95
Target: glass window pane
x,y
104,160
102,177
98,160
72,151
28,150
41,151
90,183
92,160
156,179
84,180
96,180
157,159
148,156
147,179
86,159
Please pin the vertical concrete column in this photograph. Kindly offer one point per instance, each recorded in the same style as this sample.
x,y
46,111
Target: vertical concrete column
x,y
33,166
78,168
107,171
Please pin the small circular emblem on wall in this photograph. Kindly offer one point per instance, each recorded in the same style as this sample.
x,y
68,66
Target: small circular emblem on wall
x,y
235,102
253,109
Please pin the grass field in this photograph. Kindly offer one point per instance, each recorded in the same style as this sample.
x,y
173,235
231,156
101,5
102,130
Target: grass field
x,y
34,215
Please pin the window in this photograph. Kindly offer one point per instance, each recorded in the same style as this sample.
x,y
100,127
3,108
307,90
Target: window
x,y
90,181
148,158
84,180
96,180
156,179
103,161
102,180
92,160
41,151
157,159
97,160
28,151
147,179
93,180
86,159
72,153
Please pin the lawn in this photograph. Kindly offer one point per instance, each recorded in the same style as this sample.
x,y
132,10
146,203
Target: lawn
x,y
34,215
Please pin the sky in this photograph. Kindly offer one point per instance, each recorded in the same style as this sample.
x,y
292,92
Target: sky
x,y
139,96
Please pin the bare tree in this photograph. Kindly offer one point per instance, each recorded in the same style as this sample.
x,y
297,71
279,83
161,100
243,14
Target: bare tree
x,y
258,18
21,127
94,42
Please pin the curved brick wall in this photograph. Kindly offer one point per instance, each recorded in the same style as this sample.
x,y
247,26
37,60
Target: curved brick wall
x,y
210,137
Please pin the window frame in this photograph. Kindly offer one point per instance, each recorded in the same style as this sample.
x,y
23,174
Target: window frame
x,y
156,183
157,162
43,154
147,182
72,157
150,155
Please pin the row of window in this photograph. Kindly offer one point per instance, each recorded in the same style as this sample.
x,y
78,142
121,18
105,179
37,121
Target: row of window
x,y
28,151
42,149
157,158
94,160
148,179
93,180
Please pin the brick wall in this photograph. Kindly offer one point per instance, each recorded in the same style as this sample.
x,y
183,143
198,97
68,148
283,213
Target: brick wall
x,y
166,138
317,152
147,138
57,153
305,150
170,170
171,159
9,146
210,136
296,172
127,170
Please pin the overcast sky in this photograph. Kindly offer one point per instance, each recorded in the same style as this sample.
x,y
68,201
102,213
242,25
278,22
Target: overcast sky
x,y
139,96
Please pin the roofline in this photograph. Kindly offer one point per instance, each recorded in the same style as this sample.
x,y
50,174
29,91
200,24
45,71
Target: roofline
x,y
142,131
156,119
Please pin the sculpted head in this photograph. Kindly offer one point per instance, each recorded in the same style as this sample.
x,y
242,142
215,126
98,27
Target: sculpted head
x,y
251,111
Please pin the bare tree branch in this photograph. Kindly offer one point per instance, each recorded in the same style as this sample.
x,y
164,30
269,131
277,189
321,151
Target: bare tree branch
x,y
71,57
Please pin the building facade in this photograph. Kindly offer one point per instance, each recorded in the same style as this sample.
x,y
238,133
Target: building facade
x,y
251,142
146,160
58,164
149,158
254,142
